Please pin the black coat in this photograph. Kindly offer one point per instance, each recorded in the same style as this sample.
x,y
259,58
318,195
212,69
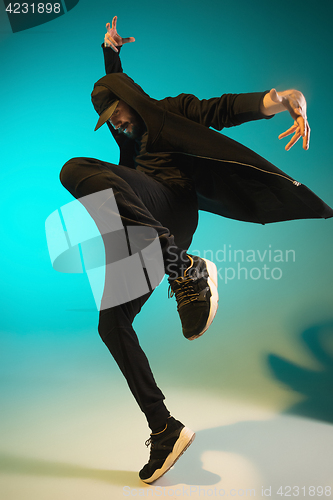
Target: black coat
x,y
230,179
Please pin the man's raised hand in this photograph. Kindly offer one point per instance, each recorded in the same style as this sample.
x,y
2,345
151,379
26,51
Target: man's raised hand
x,y
112,39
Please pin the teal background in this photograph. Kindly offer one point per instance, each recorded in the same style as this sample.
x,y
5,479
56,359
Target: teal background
x,y
271,342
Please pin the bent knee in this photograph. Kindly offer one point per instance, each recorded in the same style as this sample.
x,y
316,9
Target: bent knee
x,y
68,173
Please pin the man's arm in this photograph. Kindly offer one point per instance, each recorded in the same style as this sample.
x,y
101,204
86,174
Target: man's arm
x,y
112,60
111,49
230,110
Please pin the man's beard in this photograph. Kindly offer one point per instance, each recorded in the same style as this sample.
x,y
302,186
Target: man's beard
x,y
138,127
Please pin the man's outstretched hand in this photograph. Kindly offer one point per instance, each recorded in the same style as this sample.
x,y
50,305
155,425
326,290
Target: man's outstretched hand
x,y
294,102
112,39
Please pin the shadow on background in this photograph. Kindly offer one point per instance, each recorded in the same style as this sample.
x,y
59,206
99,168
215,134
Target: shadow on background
x,y
11,464
273,452
277,450
315,385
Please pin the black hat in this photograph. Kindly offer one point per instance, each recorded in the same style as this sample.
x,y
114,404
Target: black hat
x,y
105,103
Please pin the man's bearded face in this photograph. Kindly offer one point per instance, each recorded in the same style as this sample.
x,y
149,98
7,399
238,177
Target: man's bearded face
x,y
127,121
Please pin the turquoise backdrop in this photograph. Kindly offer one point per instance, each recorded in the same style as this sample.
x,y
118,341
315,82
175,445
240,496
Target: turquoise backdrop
x,y
272,339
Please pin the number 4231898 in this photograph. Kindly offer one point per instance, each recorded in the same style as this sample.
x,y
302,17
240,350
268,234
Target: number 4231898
x,y
33,8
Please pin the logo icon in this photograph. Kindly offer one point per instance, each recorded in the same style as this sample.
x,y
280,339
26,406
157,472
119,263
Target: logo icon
x,y
88,236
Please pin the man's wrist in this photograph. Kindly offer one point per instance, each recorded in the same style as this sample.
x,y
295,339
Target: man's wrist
x,y
269,106
106,47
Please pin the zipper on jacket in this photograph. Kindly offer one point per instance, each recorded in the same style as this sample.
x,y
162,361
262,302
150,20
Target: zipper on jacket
x,y
296,183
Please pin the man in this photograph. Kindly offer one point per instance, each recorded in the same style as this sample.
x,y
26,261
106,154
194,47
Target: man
x,y
171,164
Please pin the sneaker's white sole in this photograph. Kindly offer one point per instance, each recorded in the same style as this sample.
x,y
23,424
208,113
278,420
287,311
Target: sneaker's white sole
x,y
186,437
214,300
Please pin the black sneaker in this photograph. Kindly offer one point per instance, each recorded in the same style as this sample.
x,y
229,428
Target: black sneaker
x,y
166,447
197,297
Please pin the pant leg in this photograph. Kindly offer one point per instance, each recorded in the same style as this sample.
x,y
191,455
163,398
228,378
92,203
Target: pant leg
x,y
137,195
116,330
141,200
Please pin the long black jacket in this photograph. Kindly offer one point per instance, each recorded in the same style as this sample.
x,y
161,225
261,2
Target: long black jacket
x,y
230,179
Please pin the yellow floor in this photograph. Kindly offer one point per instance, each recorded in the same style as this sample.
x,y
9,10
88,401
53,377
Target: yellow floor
x,y
86,447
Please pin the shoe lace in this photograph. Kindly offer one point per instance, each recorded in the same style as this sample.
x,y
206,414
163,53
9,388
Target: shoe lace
x,y
183,290
148,442
151,443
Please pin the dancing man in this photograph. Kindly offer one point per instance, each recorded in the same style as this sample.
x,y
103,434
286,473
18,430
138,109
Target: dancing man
x,y
171,165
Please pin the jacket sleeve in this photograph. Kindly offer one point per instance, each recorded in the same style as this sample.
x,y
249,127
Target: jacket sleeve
x,y
126,146
112,60
228,110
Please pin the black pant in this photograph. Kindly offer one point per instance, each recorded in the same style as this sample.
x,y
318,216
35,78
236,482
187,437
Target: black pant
x,y
141,201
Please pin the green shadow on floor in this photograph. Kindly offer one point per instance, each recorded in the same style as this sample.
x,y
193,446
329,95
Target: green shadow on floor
x,y
11,464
